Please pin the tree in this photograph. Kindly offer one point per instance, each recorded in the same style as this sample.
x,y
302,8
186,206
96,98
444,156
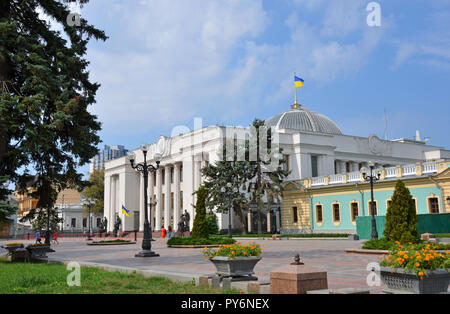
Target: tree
x,y
267,180
211,220
200,228
95,191
401,217
6,209
45,92
40,220
219,174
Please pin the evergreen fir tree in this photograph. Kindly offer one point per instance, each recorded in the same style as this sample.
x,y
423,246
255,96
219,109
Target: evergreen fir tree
x,y
401,217
200,228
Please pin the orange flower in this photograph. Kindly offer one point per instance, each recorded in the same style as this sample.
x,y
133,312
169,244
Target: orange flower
x,y
420,273
417,264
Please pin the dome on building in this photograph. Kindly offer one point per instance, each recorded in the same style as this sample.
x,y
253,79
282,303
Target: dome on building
x,y
302,119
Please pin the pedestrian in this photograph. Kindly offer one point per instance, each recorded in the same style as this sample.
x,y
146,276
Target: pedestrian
x,y
38,237
55,238
169,232
163,233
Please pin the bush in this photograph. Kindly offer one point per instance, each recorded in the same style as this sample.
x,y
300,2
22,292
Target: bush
x,y
378,244
200,241
200,228
211,220
401,217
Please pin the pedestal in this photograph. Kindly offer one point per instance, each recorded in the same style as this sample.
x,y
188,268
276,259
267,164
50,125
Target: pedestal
x,y
146,254
297,279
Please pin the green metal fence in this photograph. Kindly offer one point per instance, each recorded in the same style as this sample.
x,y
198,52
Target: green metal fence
x,y
432,223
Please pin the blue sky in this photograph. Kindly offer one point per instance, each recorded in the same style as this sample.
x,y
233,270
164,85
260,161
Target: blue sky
x,y
230,61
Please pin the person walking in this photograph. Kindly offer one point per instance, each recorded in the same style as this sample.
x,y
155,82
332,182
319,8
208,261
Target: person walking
x,y
38,237
55,238
163,233
169,232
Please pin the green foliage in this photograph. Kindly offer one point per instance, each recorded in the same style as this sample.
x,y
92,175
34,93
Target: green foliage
x,y
401,217
95,191
6,208
302,235
43,278
200,228
378,244
211,220
212,240
45,124
40,220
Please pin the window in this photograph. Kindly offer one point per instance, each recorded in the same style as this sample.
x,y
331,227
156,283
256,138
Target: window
x,y
319,213
84,222
286,164
73,222
163,176
315,172
433,203
181,199
99,221
171,200
172,172
295,214
348,167
181,173
373,208
354,211
336,213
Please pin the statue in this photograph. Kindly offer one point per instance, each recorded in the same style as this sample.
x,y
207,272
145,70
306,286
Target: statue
x,y
117,224
183,225
103,224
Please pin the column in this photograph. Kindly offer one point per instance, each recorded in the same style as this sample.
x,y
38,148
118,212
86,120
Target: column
x,y
167,196
176,205
158,199
112,212
151,214
141,202
249,222
355,166
106,202
342,166
188,186
269,222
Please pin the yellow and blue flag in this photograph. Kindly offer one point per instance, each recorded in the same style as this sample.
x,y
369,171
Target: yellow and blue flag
x,y
427,139
125,211
299,82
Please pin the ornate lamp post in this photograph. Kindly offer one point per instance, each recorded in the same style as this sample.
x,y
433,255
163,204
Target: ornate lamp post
x,y
145,169
89,203
228,190
372,178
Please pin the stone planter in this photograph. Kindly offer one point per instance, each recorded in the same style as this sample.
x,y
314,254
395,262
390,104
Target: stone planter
x,y
403,281
39,251
12,248
239,268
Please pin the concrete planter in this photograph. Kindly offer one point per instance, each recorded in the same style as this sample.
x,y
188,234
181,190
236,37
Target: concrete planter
x,y
240,268
12,248
39,251
403,281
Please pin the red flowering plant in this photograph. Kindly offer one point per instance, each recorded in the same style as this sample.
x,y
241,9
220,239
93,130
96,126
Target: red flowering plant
x,y
234,250
417,259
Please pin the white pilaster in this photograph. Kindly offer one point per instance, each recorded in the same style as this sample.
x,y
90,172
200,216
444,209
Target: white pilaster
x,y
176,205
167,196
158,199
141,203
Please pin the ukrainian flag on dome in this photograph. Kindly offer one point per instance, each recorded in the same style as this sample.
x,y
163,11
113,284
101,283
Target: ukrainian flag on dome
x,y
299,82
125,211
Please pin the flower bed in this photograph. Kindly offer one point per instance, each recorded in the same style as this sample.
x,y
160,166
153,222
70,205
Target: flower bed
x,y
420,260
234,250
112,242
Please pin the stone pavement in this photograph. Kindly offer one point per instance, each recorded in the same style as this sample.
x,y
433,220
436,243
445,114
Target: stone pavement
x,y
344,270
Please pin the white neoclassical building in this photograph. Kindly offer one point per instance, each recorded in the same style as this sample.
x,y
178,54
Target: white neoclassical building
x,y
313,145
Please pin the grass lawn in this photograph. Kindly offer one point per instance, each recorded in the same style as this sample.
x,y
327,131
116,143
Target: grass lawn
x,y
51,279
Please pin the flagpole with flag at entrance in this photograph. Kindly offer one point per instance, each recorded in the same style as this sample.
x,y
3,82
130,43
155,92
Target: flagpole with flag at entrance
x,y
298,82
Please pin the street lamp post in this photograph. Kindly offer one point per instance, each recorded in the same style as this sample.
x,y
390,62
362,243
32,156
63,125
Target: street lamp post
x,y
145,169
372,178
229,197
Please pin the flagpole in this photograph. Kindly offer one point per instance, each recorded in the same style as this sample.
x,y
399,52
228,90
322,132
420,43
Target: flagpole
x,y
295,88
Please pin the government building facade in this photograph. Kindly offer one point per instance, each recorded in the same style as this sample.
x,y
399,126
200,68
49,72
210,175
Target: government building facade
x,y
318,155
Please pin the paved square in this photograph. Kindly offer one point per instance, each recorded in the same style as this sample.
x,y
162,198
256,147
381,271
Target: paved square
x,y
344,270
